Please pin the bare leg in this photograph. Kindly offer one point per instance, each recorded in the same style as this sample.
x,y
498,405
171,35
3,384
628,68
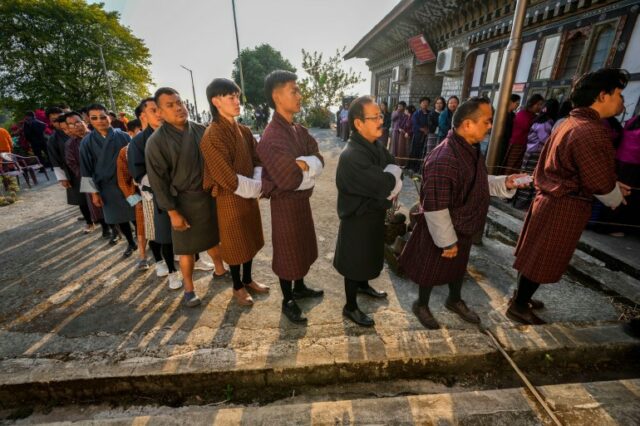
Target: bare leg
x,y
186,267
214,252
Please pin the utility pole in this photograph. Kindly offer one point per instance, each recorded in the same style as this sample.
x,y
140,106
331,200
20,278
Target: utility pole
x,y
106,75
506,85
193,88
235,24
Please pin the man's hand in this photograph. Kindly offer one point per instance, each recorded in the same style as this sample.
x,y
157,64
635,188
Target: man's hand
x,y
511,183
303,165
178,222
96,199
625,190
65,184
450,253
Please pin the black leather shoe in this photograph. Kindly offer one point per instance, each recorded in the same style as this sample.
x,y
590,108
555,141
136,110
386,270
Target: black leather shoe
x,y
292,311
425,316
358,317
523,315
114,239
533,303
130,250
463,311
370,291
307,293
106,234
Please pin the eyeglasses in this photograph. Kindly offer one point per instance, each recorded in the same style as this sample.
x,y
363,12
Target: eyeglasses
x,y
98,117
375,117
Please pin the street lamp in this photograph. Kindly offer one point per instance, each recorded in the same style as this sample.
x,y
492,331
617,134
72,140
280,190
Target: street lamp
x,y
106,76
195,102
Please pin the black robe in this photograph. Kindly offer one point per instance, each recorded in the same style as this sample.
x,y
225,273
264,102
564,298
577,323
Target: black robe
x,y
363,188
175,169
138,169
98,156
56,152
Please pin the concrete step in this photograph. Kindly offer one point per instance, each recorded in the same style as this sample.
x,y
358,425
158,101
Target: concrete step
x,y
268,371
594,262
596,403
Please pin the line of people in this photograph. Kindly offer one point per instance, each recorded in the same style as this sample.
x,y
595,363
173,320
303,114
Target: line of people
x,y
197,188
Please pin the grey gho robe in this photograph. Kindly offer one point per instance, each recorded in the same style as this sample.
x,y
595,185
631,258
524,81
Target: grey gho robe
x,y
175,170
364,189
98,157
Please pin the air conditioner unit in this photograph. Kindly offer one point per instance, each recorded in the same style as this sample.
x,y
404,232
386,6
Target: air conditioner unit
x,y
449,60
398,74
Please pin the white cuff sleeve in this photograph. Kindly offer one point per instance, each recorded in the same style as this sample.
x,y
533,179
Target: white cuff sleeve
x,y
60,174
498,187
314,163
257,173
396,171
248,188
612,199
307,181
441,228
87,185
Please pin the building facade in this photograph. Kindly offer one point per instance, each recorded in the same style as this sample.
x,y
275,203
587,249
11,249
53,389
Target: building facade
x,y
561,40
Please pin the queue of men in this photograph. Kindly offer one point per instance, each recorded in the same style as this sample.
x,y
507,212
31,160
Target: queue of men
x,y
191,189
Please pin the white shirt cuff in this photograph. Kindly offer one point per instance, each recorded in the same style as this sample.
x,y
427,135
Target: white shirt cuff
x,y
87,185
498,187
60,174
307,181
441,228
314,163
612,199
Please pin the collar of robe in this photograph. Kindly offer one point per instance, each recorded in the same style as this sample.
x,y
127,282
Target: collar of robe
x,y
101,138
586,113
474,149
373,147
278,117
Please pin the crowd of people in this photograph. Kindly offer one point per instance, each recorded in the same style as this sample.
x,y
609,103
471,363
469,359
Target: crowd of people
x,y
193,191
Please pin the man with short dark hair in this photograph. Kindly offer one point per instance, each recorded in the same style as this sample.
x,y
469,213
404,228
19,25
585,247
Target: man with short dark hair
x,y
454,200
420,123
98,156
33,130
292,162
576,164
175,169
134,127
367,180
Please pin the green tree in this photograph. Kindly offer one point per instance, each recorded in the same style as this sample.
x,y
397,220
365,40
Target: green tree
x,y
48,55
325,85
256,64
326,81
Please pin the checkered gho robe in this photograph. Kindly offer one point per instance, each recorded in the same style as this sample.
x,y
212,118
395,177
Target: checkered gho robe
x,y
293,233
229,149
128,188
575,163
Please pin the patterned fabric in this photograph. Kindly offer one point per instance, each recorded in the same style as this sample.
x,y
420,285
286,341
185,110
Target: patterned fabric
x,y
293,233
576,162
128,188
149,225
454,178
72,158
229,149
513,158
522,199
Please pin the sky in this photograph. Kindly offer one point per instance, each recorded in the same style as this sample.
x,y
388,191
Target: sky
x,y
199,34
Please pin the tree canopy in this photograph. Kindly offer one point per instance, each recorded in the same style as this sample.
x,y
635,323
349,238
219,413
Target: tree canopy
x,y
49,55
256,64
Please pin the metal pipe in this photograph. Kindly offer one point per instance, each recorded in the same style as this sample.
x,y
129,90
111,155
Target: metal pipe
x,y
506,85
193,88
235,24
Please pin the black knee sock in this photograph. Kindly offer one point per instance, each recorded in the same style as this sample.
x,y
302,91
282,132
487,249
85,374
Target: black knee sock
x,y
114,229
526,288
246,272
298,285
363,284
455,288
156,249
125,228
235,276
103,224
287,291
424,294
351,291
167,254
86,214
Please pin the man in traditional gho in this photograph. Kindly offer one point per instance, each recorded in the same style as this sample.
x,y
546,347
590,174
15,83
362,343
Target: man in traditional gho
x,y
576,164
455,200
292,162
367,180
175,170
233,172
